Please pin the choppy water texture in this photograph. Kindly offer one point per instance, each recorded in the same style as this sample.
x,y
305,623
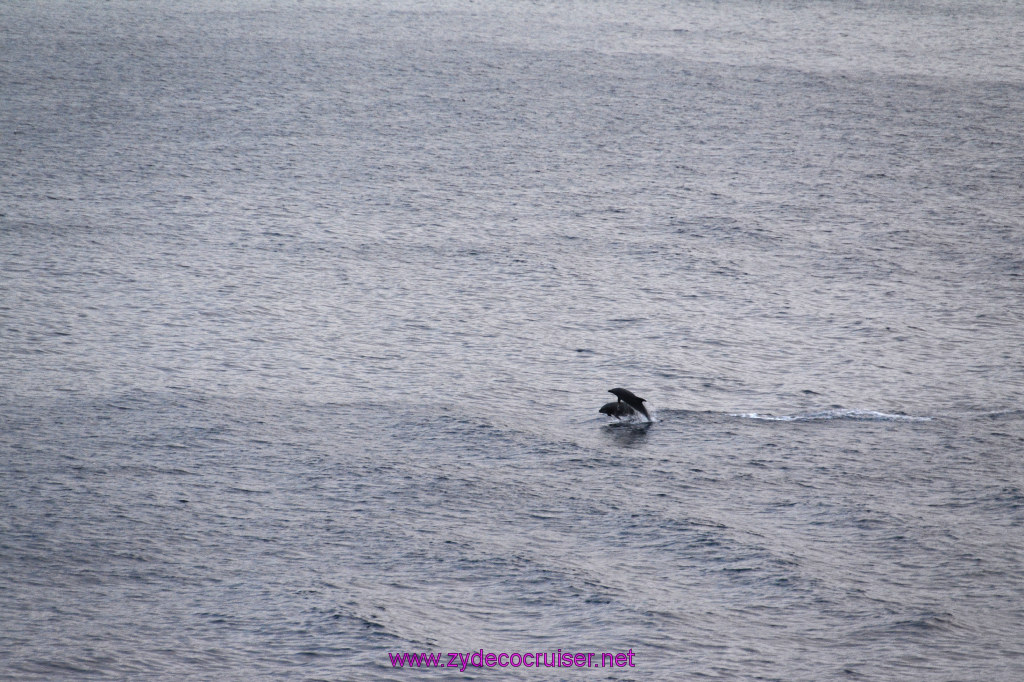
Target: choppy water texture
x,y
308,309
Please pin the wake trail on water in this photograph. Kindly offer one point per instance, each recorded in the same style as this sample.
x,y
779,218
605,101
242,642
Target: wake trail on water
x,y
824,415
834,414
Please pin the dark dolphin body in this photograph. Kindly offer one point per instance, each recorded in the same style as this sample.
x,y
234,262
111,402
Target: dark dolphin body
x,y
617,409
633,401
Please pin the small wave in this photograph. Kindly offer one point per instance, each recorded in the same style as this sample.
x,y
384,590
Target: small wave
x,y
833,414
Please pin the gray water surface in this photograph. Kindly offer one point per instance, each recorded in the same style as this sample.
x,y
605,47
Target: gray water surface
x,y
307,309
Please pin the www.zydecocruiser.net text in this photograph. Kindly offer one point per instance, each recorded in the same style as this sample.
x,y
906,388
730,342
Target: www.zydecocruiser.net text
x,y
530,659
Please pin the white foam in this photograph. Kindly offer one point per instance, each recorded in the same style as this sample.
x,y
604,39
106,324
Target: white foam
x,y
825,415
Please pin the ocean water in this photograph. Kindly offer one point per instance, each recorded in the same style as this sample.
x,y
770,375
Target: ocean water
x,y
307,310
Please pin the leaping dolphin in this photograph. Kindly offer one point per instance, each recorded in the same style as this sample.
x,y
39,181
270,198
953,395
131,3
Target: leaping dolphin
x,y
617,409
631,400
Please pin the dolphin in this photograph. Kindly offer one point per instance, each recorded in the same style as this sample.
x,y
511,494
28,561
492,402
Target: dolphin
x,y
617,409
628,398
